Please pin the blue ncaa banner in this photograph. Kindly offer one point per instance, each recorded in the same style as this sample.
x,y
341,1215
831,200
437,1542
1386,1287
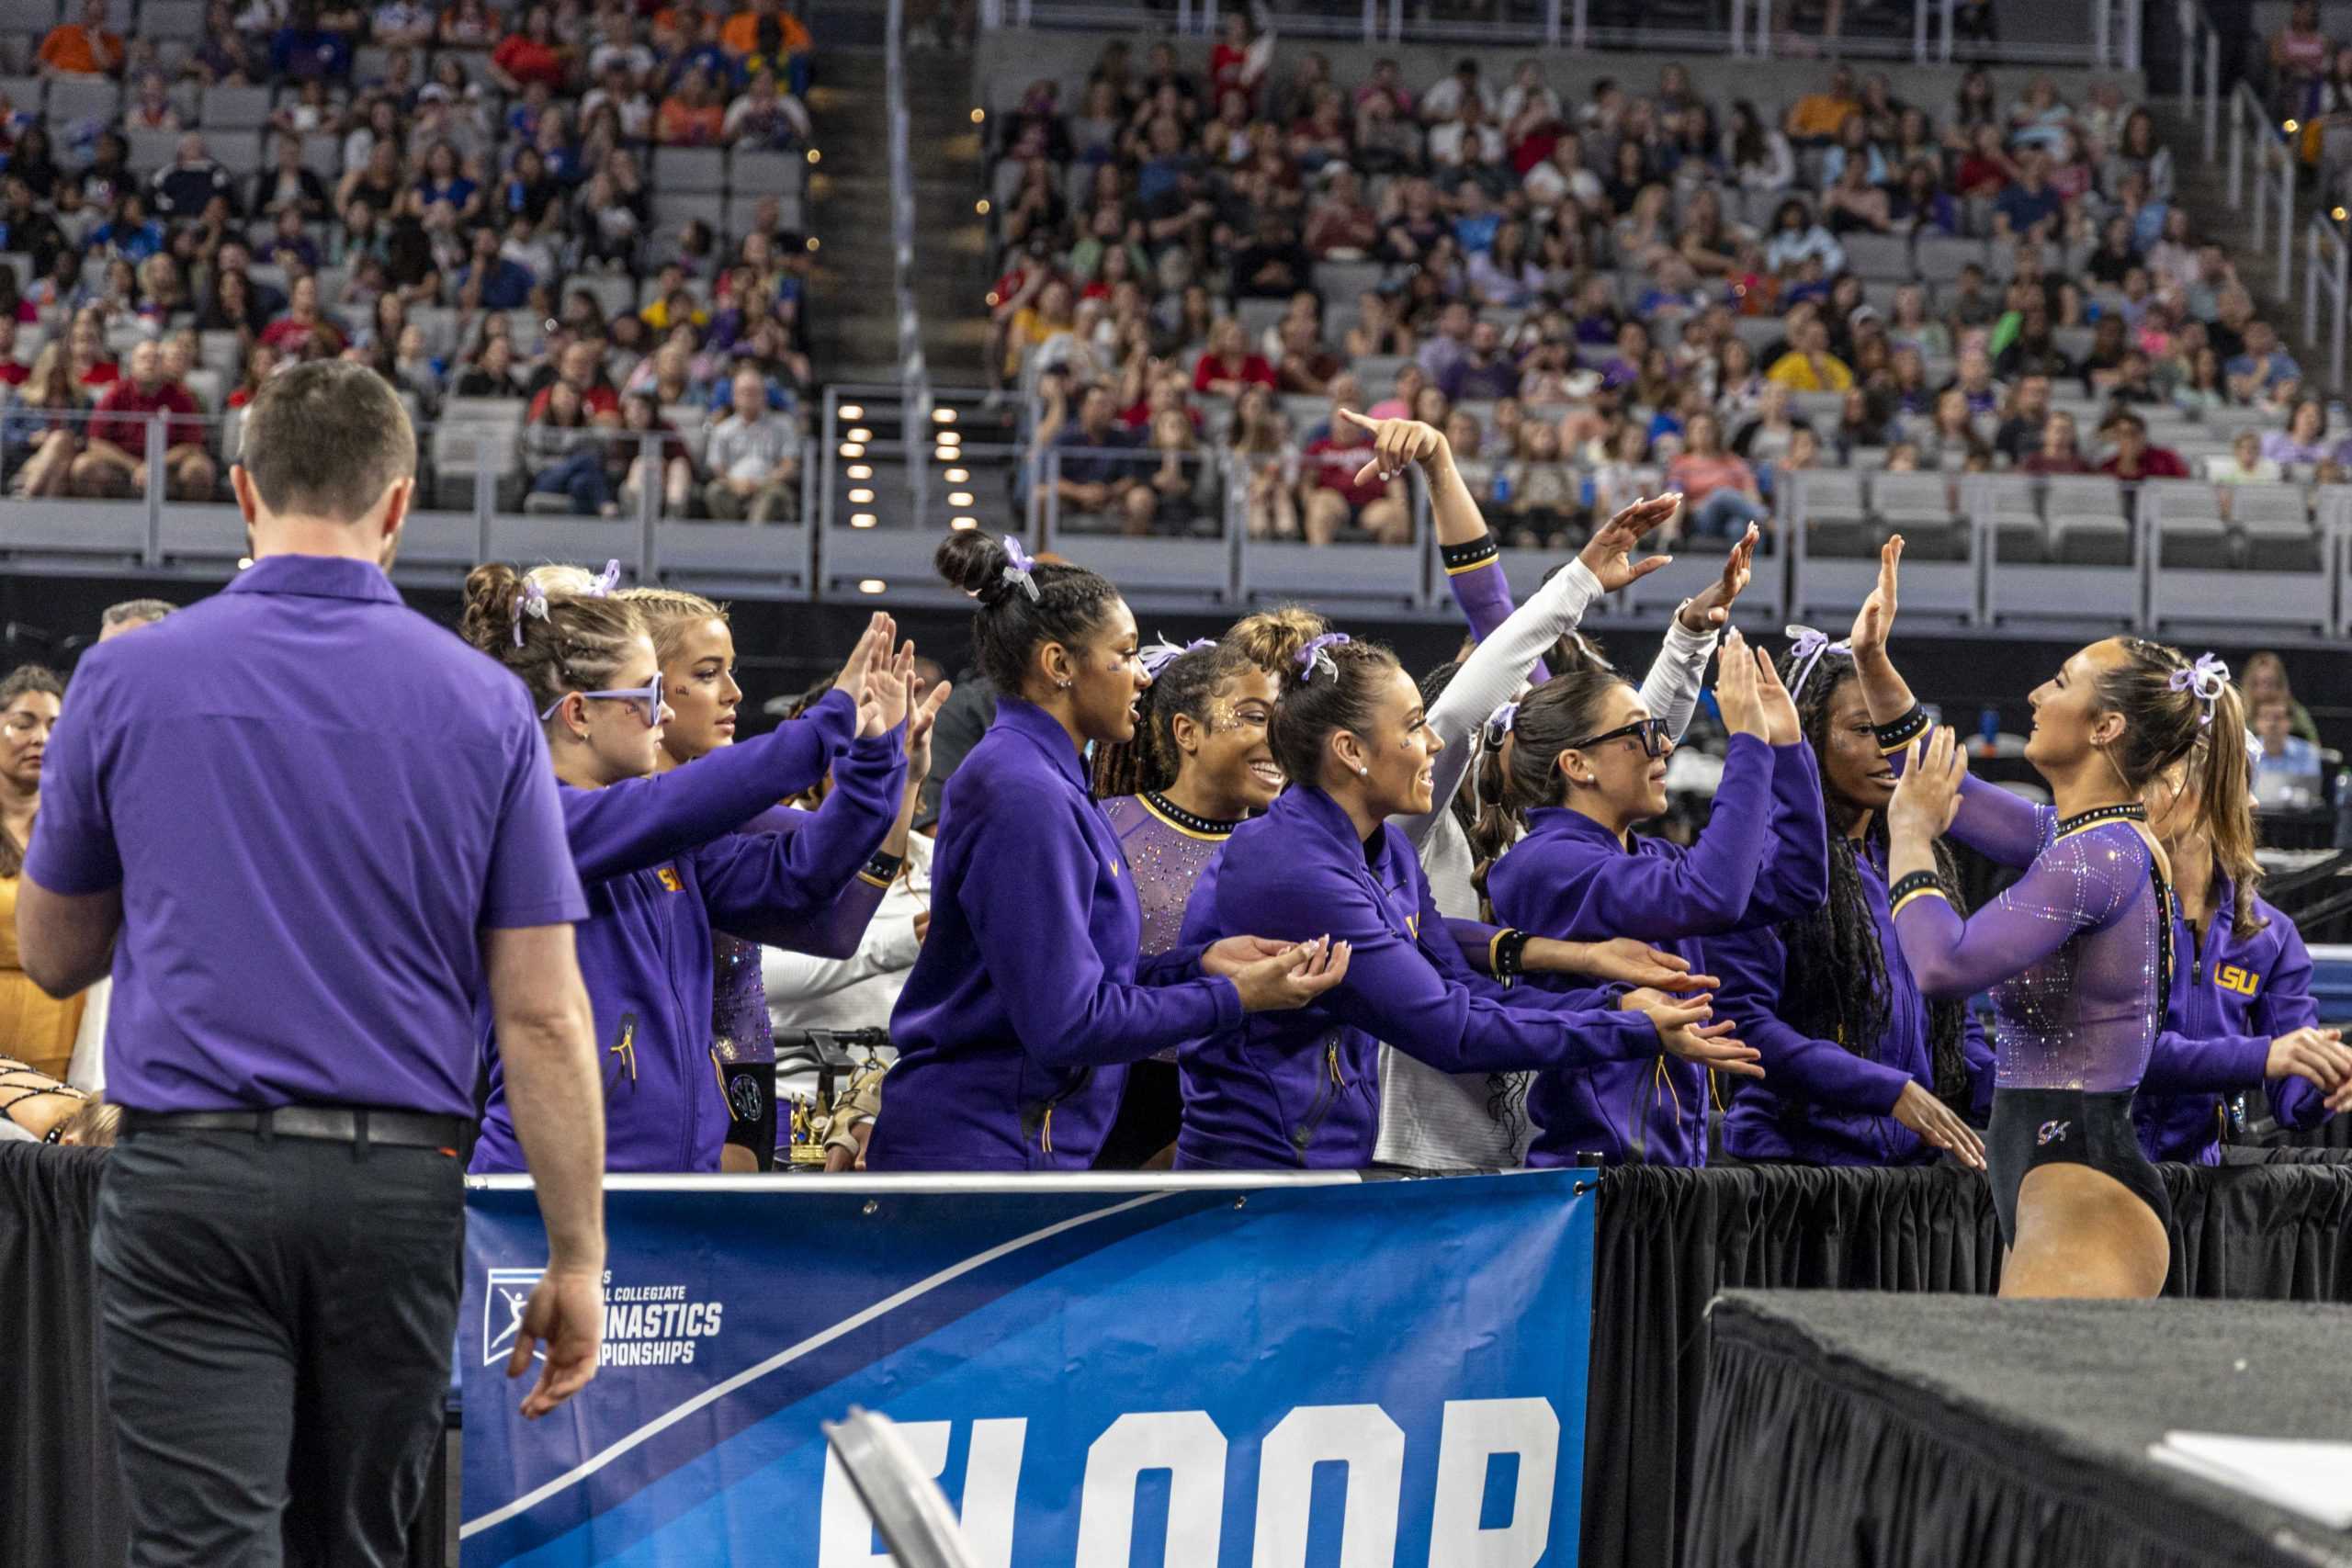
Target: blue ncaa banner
x,y
1098,1374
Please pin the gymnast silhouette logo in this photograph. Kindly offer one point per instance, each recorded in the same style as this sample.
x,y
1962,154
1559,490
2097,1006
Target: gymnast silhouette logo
x,y
2051,1132
505,1294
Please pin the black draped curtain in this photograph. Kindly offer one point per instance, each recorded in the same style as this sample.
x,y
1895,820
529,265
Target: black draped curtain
x,y
1671,1239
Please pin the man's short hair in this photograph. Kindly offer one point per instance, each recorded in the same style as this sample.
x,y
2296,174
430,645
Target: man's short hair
x,y
135,610
326,439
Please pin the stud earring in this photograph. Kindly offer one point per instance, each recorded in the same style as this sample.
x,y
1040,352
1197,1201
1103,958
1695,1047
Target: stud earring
x,y
1063,685
1363,773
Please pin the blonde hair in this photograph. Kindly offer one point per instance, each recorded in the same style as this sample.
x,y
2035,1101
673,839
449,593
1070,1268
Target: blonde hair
x,y
666,612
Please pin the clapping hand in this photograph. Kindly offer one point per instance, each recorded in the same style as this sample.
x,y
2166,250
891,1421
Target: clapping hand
x,y
1780,725
1609,554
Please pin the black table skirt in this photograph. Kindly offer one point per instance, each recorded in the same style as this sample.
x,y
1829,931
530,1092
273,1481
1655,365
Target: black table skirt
x,y
1670,1239
1843,1431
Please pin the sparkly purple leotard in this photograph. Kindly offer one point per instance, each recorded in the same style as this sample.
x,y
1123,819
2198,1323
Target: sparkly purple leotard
x,y
2072,951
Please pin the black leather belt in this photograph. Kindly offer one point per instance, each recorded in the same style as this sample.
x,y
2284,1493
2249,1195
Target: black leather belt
x,y
330,1123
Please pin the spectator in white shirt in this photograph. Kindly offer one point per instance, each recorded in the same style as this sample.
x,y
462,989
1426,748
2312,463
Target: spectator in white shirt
x,y
1444,101
755,458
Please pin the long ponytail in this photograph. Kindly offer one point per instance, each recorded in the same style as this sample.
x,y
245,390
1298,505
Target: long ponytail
x,y
2224,778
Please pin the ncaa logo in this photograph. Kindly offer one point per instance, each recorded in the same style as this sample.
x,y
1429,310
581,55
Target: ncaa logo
x,y
2051,1132
504,1294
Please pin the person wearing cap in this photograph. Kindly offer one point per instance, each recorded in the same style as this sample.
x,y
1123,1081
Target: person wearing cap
x,y
360,813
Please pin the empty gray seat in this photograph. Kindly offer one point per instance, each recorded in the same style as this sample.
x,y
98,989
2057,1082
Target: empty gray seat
x,y
690,169
162,19
2269,503
1878,255
2194,540
1837,516
767,174
2276,544
235,108
2090,539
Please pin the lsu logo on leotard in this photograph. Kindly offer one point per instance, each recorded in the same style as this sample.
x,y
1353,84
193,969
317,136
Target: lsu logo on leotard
x,y
2051,1132
2235,977
667,877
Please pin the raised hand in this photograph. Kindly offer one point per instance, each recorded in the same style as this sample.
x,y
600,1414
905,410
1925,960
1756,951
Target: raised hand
x,y
1780,725
919,721
1609,554
878,633
889,690
1928,796
1292,977
1939,1126
1711,608
1396,444
1736,692
1875,620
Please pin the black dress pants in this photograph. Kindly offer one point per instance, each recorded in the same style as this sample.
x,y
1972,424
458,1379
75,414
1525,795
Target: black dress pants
x,y
276,1317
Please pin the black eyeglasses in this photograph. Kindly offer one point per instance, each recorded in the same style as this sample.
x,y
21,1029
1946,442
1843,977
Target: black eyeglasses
x,y
1655,740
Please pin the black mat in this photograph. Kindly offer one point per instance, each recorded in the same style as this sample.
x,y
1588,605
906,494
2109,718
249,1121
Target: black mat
x,y
1858,1431
1670,1239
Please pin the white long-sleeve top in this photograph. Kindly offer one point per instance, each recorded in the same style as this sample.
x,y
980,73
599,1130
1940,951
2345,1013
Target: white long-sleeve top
x,y
1448,1120
857,992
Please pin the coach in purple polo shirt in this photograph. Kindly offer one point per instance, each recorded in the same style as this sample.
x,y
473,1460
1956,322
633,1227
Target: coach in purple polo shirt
x,y
308,828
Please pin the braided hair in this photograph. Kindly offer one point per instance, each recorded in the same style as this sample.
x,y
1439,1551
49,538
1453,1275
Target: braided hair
x,y
1188,684
1009,625
668,612
578,645
1835,947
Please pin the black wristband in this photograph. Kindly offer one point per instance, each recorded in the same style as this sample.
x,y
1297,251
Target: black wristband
x,y
1913,885
1903,731
1507,954
881,867
1459,559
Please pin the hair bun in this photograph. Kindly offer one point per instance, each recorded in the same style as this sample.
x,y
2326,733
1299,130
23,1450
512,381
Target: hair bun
x,y
975,562
489,612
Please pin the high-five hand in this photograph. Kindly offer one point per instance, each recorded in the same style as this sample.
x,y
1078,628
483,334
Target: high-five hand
x,y
1928,796
1711,608
1780,725
1875,620
1609,554
1736,692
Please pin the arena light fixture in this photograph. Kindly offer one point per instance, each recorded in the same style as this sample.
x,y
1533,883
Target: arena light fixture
x,y
945,454
980,115
861,497
863,520
943,416
960,497
2292,127
853,412
2338,215
959,476
948,438
963,523
981,207
872,585
813,242
853,449
815,156
861,434
861,470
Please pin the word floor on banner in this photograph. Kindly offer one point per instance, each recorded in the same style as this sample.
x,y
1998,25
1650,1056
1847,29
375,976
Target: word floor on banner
x,y
1382,1373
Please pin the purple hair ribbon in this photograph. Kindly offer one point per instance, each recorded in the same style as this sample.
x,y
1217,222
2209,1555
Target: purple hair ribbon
x,y
1499,725
1807,649
1163,653
1317,656
1019,568
2209,678
606,581
532,601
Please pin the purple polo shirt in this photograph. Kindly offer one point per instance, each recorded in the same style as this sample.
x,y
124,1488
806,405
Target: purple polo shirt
x,y
314,801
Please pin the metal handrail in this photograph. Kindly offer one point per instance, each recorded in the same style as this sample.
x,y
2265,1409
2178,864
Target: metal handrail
x,y
2201,70
2114,41
2325,271
2273,165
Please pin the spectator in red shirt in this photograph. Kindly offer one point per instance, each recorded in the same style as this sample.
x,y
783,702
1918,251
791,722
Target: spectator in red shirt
x,y
1226,364
2134,458
2058,453
528,56
115,464
13,371
1335,491
304,332
582,367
